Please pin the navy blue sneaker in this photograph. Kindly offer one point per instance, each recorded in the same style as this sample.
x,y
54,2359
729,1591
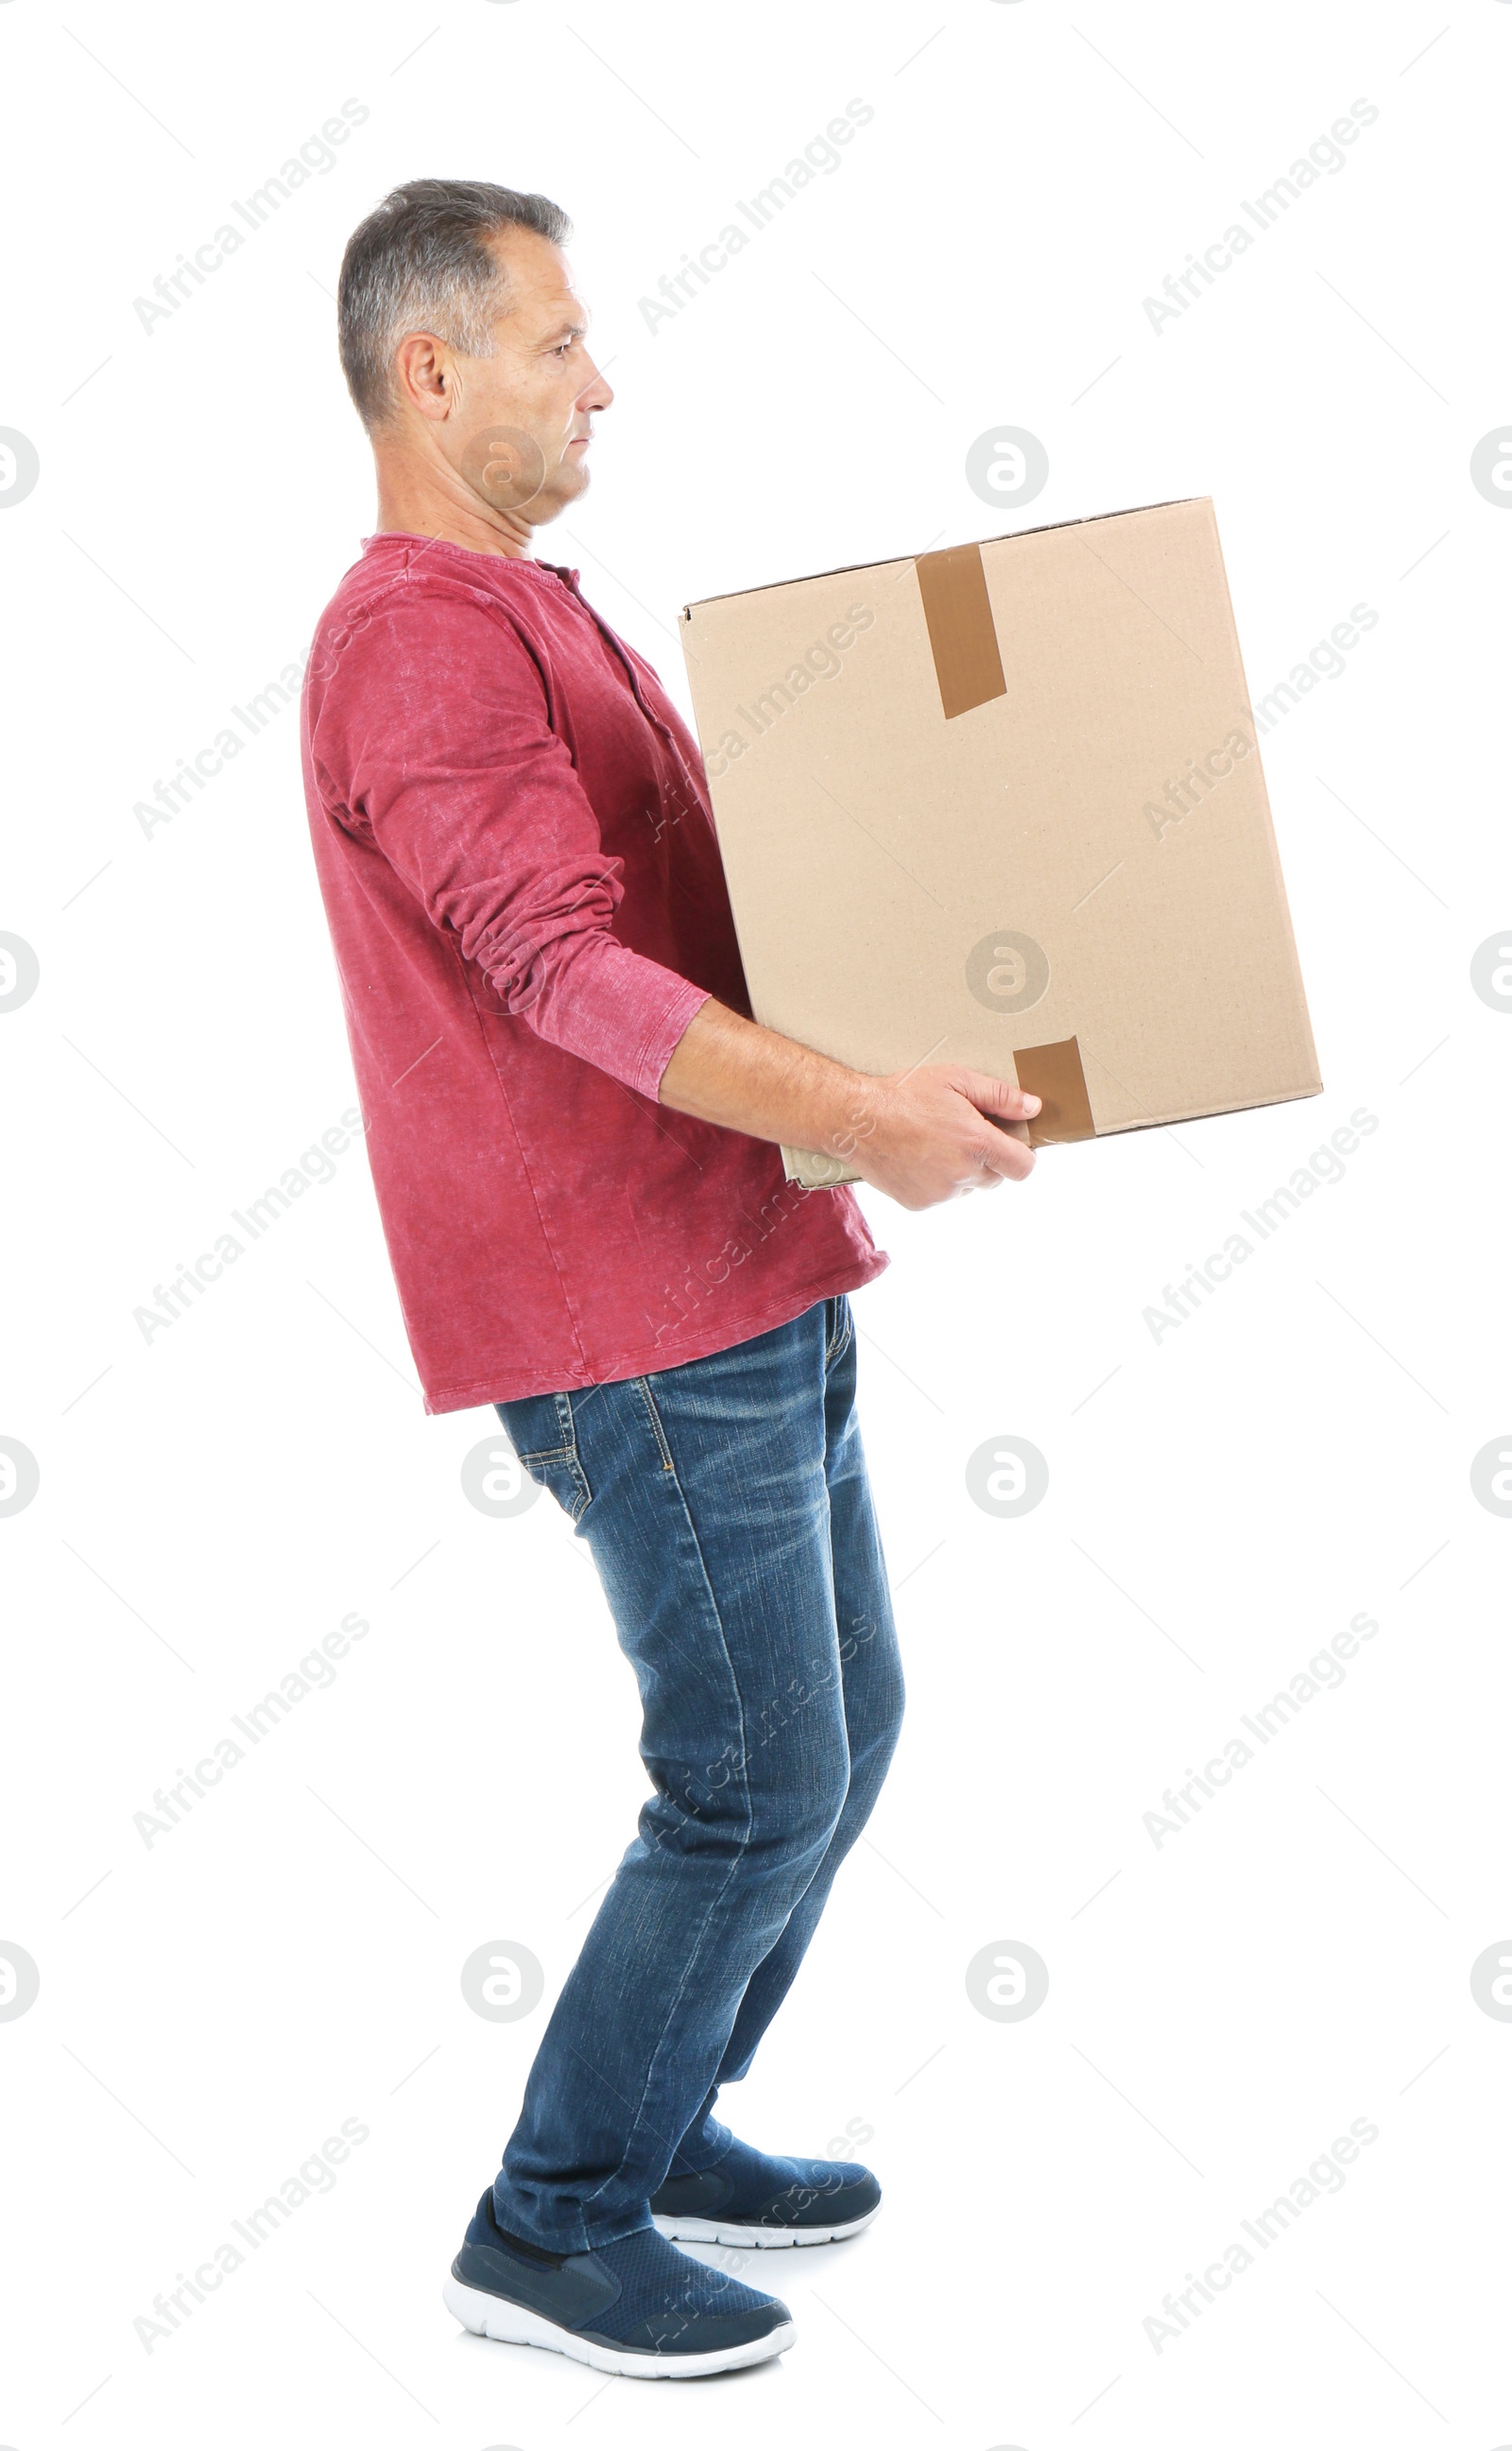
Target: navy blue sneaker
x,y
750,2198
636,2307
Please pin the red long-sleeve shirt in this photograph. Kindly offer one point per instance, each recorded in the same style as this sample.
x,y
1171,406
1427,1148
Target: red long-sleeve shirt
x,y
518,863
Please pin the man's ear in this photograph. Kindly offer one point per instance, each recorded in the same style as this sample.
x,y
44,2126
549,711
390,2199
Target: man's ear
x,y
423,375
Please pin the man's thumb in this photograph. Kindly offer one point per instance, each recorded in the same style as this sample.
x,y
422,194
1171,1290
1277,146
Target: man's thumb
x,y
992,1097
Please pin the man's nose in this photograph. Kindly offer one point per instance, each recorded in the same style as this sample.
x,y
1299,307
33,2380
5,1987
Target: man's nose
x,y
595,394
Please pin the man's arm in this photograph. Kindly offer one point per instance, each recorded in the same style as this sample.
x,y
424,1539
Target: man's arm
x,y
431,727
486,820
920,1136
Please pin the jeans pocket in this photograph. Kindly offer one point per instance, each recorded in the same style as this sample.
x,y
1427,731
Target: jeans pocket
x,y
563,1474
545,1440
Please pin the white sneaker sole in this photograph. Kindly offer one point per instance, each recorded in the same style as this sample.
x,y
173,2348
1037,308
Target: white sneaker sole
x,y
707,2233
496,2319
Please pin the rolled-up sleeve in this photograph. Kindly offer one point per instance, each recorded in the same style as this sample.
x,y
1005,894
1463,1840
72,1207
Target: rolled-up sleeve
x,y
436,711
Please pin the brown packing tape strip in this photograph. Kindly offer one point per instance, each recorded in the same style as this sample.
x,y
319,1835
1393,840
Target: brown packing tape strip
x,y
959,613
1054,1075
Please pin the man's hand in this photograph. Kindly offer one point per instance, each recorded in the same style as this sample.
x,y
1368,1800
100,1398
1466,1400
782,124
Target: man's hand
x,y
920,1136
930,1135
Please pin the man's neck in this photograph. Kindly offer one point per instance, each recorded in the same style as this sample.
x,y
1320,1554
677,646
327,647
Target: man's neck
x,y
413,502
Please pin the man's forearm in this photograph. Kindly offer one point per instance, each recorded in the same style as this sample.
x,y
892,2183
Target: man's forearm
x,y
725,1069
922,1135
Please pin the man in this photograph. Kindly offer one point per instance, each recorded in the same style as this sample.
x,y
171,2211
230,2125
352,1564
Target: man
x,y
572,1120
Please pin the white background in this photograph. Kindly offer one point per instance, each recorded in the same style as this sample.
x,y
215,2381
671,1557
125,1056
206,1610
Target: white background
x,y
212,1502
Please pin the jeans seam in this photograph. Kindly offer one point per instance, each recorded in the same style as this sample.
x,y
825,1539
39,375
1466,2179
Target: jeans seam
x,y
833,1352
735,1867
644,1390
573,1459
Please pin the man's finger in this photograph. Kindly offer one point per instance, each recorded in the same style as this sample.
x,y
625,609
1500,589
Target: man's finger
x,y
996,1098
1005,1154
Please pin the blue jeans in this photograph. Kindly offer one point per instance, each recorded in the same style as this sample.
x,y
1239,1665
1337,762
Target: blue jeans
x,y
727,1506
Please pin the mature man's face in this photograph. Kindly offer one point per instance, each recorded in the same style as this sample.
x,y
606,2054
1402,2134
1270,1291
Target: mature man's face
x,y
522,430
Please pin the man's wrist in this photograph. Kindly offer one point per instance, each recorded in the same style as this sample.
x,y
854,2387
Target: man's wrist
x,y
844,1114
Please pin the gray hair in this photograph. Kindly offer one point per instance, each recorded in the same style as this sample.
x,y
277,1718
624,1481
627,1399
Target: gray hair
x,y
422,262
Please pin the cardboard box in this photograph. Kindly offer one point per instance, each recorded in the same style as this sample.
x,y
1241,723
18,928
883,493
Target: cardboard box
x,y
1002,805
